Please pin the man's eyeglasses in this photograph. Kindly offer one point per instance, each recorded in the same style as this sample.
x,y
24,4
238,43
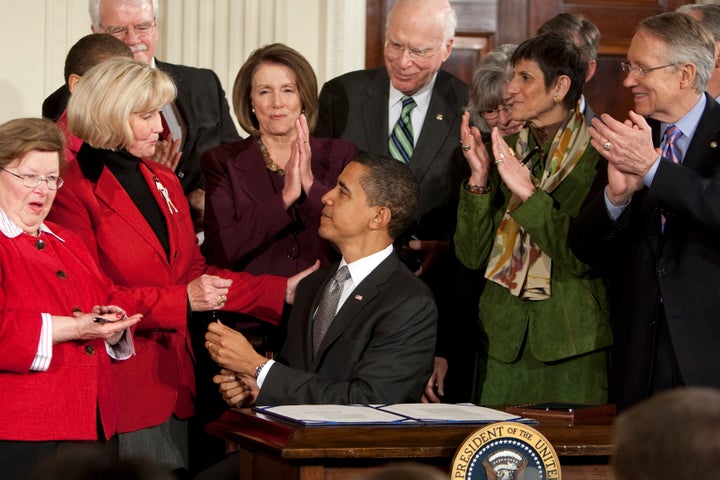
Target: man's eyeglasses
x,y
627,68
494,113
396,49
32,181
122,32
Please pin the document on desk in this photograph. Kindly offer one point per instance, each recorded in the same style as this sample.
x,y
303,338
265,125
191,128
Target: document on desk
x,y
333,414
452,413
399,413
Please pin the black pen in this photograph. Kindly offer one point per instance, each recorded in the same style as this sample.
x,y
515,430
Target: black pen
x,y
101,320
530,154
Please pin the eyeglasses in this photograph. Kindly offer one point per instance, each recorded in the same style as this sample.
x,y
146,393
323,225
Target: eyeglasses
x,y
122,32
32,181
627,68
493,114
396,49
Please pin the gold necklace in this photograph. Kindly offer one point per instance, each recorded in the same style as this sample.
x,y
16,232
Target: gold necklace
x,y
269,162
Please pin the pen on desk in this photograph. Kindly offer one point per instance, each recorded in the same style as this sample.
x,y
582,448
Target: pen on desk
x,y
530,154
100,320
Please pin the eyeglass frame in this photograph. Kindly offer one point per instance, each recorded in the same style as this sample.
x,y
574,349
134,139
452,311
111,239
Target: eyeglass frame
x,y
125,31
628,68
495,112
417,54
59,182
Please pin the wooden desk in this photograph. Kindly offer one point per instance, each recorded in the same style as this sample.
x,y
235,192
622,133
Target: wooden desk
x,y
270,448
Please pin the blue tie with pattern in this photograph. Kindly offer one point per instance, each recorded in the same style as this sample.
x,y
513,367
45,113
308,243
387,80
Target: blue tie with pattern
x,y
400,143
671,151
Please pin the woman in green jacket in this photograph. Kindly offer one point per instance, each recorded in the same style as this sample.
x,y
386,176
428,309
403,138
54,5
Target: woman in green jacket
x,y
543,315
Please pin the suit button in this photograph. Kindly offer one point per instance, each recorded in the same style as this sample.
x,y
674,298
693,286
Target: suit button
x,y
40,245
661,272
61,275
89,349
294,253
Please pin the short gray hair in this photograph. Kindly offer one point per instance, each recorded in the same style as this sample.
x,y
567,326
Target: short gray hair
x,y
450,20
94,9
489,82
686,41
709,16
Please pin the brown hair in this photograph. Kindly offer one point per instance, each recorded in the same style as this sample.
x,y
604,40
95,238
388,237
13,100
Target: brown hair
x,y
283,55
23,135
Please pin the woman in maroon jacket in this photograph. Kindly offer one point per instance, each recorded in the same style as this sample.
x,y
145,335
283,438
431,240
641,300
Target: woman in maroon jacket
x,y
58,332
134,217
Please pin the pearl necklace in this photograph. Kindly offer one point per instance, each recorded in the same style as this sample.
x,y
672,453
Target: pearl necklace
x,y
269,162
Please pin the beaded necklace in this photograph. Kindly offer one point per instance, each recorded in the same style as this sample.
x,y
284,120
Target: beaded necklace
x,y
269,162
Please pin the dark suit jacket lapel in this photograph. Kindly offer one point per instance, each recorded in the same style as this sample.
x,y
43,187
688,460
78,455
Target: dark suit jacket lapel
x,y
362,295
439,119
374,111
703,150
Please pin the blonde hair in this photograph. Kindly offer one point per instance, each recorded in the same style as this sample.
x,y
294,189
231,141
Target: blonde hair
x,y
100,107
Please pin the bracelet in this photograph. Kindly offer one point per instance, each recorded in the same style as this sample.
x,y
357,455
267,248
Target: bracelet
x,y
258,369
476,189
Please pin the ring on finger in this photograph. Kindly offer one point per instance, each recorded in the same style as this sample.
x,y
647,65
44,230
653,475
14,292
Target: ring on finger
x,y
607,145
499,162
502,156
466,148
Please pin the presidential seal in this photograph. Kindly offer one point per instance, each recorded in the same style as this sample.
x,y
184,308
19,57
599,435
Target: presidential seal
x,y
506,451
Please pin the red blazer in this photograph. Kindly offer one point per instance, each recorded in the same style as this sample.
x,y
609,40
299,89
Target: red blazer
x,y
61,403
159,380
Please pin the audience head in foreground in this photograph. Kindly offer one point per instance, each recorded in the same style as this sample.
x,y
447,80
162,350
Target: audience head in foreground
x,y
671,436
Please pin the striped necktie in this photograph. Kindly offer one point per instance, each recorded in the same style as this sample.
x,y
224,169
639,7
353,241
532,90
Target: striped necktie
x,y
400,143
671,151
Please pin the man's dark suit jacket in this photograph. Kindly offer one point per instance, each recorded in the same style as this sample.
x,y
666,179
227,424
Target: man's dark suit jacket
x,y
678,270
201,102
378,349
354,107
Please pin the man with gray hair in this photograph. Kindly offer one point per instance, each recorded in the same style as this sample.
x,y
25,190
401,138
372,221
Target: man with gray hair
x,y
709,16
411,110
198,119
654,224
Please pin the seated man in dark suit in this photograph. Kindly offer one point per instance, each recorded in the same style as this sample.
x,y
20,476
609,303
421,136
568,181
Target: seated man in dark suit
x,y
197,120
366,107
379,345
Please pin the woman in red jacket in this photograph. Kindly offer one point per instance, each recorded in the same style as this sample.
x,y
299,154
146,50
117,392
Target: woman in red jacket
x,y
58,332
134,217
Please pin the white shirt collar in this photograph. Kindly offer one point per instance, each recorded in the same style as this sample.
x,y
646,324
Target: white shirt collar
x,y
359,269
11,230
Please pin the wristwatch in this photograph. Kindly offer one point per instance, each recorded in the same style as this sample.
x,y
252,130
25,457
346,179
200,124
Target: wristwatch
x,y
258,369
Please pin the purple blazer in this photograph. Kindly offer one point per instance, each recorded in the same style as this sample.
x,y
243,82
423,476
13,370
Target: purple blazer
x,y
247,227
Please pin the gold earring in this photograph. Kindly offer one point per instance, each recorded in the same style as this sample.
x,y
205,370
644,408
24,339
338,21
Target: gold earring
x,y
253,109
556,99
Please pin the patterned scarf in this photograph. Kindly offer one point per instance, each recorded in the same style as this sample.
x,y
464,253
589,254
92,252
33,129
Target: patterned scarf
x,y
516,262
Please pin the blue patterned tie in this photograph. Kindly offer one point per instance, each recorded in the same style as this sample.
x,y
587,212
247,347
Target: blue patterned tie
x,y
400,143
671,151
328,306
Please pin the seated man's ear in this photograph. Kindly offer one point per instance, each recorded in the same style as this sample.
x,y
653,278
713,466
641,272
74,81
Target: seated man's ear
x,y
381,219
